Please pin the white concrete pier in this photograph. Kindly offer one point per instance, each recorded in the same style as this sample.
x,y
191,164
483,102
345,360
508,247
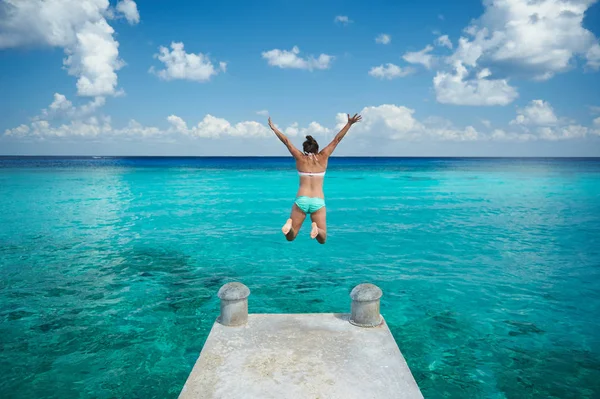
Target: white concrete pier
x,y
323,355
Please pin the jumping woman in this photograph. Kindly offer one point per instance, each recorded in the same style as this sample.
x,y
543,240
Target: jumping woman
x,y
311,165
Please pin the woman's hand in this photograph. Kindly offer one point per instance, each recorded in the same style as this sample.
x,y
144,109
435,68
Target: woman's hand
x,y
271,124
354,119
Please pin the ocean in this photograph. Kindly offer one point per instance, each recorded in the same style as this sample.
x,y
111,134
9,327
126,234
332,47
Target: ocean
x,y
109,267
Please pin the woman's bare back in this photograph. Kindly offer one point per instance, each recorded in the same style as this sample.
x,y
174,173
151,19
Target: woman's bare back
x,y
311,186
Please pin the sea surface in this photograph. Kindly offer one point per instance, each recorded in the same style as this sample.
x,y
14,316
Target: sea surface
x,y
109,267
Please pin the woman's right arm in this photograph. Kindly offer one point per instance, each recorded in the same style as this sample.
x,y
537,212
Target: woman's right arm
x,y
327,151
293,150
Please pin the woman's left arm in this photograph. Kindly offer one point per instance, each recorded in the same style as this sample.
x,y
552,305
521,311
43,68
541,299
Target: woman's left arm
x,y
296,153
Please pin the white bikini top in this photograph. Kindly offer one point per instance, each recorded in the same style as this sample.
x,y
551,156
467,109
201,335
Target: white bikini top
x,y
311,173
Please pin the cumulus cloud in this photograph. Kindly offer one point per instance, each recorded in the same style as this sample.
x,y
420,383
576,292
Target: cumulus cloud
x,y
540,37
129,9
188,66
383,39
399,123
291,59
460,89
214,127
444,41
538,121
593,57
562,132
342,19
420,57
95,127
556,133
538,112
390,71
534,39
90,128
79,27
262,112
313,129
61,107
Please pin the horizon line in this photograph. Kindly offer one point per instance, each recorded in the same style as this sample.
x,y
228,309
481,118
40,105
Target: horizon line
x,y
289,156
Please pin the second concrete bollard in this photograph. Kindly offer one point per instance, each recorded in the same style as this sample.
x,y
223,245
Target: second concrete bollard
x,y
234,304
365,305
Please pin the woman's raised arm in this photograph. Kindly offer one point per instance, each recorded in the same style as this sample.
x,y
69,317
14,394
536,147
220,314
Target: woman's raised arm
x,y
327,151
293,150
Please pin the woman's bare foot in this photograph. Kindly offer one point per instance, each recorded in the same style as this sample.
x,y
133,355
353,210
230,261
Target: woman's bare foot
x,y
287,227
314,232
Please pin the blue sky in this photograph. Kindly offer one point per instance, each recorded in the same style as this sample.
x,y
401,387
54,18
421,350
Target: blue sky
x,y
432,78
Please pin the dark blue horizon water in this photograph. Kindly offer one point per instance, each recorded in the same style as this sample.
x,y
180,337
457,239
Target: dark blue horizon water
x,y
109,267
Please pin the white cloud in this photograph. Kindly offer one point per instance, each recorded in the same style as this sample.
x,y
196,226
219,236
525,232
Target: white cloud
x,y
537,121
342,19
390,71
340,121
537,38
387,121
189,66
77,26
420,57
383,39
593,56
545,133
213,127
398,123
594,109
90,107
134,128
95,127
129,9
562,133
313,129
538,112
293,130
63,108
91,127
60,104
19,131
457,88
177,123
444,41
502,135
262,112
290,59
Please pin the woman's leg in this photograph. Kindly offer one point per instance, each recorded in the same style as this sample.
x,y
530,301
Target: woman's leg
x,y
293,224
319,225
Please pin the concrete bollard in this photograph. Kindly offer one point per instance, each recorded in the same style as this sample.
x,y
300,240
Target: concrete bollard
x,y
234,304
365,306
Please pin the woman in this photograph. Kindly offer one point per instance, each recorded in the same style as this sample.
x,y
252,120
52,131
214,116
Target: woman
x,y
311,165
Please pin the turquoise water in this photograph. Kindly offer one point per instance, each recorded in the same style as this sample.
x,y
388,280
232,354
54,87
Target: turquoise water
x,y
109,268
